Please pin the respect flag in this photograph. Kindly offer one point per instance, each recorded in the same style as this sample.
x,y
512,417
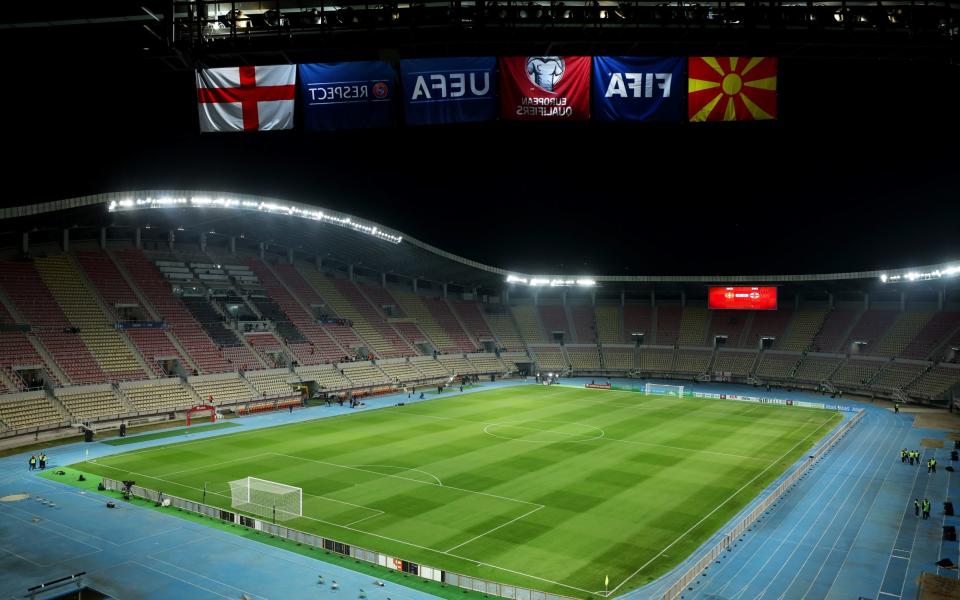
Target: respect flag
x,y
246,98
731,88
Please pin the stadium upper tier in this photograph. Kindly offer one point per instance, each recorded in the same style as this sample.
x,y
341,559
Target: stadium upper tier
x,y
166,306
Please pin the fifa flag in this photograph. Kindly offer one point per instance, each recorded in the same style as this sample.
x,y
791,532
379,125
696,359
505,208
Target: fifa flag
x,y
732,88
449,90
347,95
545,88
246,98
636,88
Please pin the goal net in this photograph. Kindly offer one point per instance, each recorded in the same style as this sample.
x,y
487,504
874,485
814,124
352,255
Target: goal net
x,y
664,390
266,498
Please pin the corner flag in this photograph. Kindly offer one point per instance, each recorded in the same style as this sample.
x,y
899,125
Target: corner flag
x,y
606,581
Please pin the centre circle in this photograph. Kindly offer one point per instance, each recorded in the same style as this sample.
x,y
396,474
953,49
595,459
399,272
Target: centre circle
x,y
543,431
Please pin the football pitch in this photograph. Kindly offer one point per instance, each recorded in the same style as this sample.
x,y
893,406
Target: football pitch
x,y
552,488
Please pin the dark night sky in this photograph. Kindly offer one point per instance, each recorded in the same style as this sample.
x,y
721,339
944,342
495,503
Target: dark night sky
x,y
859,173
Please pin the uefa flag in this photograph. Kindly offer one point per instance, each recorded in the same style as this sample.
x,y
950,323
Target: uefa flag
x,y
732,88
246,98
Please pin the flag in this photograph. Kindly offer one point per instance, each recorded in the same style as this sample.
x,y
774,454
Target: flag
x,y
732,88
449,90
606,581
637,88
347,95
246,98
545,88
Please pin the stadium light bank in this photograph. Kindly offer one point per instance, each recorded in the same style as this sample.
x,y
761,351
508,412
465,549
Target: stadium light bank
x,y
257,206
938,273
551,282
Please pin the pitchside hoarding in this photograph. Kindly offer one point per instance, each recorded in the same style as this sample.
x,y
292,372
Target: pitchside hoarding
x,y
449,90
545,88
636,88
742,298
349,95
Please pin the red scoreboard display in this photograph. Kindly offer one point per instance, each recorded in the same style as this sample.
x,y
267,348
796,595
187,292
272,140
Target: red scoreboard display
x,y
742,298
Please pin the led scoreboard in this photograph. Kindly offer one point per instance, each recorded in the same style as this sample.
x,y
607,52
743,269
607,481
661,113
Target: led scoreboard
x,y
742,298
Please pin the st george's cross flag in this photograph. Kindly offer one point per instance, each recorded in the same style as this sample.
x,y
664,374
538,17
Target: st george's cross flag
x,y
732,88
246,98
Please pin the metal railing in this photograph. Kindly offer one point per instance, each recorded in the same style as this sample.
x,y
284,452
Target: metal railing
x,y
489,588
743,524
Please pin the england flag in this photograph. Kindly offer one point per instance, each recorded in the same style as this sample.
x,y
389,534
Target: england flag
x,y
246,98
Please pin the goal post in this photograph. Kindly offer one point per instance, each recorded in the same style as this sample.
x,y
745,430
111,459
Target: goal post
x,y
264,498
663,389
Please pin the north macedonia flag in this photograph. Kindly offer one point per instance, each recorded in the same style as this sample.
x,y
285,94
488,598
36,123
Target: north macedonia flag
x,y
732,88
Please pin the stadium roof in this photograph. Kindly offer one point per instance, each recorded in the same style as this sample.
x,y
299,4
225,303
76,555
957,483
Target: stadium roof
x,y
344,239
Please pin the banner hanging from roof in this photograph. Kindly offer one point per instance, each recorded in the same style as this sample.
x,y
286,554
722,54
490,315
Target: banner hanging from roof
x,y
246,98
349,95
545,88
449,90
636,88
732,88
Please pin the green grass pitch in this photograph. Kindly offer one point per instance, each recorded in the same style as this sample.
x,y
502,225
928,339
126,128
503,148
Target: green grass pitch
x,y
552,488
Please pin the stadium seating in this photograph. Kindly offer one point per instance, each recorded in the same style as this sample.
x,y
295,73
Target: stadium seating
x,y
936,381
529,324
639,319
430,367
905,329
870,328
457,364
553,317
655,360
383,338
736,362
155,347
326,376
32,299
816,368
227,388
503,327
444,317
933,334
487,363
400,370
692,362
618,358
834,330
17,351
364,373
801,331
584,326
668,325
856,372
29,410
184,328
159,395
549,357
510,359
115,357
272,383
341,297
767,323
731,324
472,318
583,358
776,367
321,346
87,403
693,326
896,375
265,343
609,321
415,307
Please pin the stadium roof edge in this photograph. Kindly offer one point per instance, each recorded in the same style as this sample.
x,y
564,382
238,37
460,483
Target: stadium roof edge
x,y
125,201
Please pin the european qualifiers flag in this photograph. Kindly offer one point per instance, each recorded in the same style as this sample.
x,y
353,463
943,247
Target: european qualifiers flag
x,y
347,95
545,88
732,88
637,88
449,90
